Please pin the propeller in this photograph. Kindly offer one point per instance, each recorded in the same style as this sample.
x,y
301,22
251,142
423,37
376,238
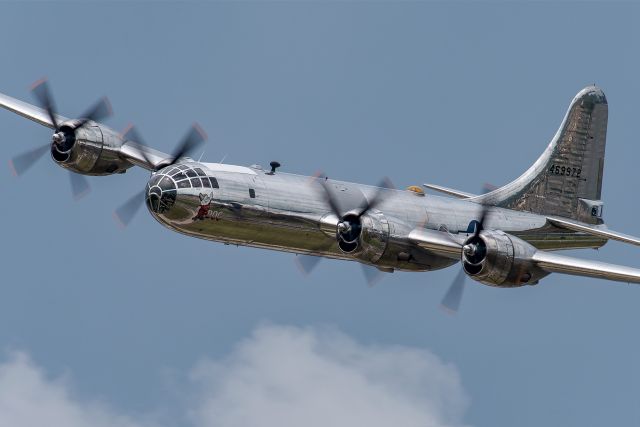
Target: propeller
x,y
307,263
453,298
194,137
63,140
349,226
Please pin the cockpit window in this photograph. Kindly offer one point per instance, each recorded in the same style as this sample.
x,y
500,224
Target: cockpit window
x,y
155,180
200,172
167,184
183,167
196,182
191,173
214,182
206,182
179,176
171,171
184,184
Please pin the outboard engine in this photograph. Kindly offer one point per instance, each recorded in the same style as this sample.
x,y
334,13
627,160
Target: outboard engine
x,y
90,149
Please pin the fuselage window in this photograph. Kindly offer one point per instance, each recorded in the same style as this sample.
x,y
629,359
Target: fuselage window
x,y
214,182
252,193
196,182
200,172
206,182
184,184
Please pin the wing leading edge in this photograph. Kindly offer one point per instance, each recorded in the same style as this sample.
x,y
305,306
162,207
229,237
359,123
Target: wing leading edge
x,y
29,111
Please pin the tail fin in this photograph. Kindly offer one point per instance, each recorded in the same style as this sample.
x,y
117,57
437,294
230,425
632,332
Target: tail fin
x,y
566,180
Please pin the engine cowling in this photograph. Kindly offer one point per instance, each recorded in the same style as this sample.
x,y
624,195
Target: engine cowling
x,y
496,258
364,237
89,150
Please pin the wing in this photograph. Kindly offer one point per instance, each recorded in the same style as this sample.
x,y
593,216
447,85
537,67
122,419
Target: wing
x,y
554,263
143,156
437,242
450,246
29,111
600,232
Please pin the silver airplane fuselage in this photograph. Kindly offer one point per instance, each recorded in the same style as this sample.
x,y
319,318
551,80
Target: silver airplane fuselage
x,y
287,212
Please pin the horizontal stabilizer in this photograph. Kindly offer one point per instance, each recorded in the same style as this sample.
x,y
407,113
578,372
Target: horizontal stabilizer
x,y
449,191
554,263
589,229
29,111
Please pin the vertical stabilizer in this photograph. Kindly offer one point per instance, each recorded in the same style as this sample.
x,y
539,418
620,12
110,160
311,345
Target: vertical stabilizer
x,y
566,180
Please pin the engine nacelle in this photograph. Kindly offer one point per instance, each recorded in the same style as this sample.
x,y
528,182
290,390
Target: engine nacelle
x,y
364,237
89,150
499,259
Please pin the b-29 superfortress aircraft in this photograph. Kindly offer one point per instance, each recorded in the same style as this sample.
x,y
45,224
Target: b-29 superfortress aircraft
x,y
506,237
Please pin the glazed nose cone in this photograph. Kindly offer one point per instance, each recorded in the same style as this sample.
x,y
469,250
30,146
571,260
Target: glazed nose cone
x,y
161,195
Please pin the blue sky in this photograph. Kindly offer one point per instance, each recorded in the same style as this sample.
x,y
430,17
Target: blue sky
x,y
148,327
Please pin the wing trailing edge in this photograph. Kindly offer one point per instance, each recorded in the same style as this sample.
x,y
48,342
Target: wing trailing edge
x,y
595,231
555,263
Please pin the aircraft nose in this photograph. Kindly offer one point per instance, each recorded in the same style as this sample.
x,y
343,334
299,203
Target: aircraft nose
x,y
161,194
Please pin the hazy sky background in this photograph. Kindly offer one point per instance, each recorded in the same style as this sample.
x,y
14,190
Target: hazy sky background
x,y
147,327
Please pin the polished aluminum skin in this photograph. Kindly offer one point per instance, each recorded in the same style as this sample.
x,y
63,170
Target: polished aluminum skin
x,y
503,238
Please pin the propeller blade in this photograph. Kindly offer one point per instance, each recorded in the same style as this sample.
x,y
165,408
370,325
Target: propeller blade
x,y
40,90
371,274
24,161
127,211
378,196
306,263
195,137
79,185
329,197
99,111
486,188
453,297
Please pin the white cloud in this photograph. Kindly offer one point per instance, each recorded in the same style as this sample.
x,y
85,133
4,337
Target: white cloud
x,y
279,376
285,376
28,399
